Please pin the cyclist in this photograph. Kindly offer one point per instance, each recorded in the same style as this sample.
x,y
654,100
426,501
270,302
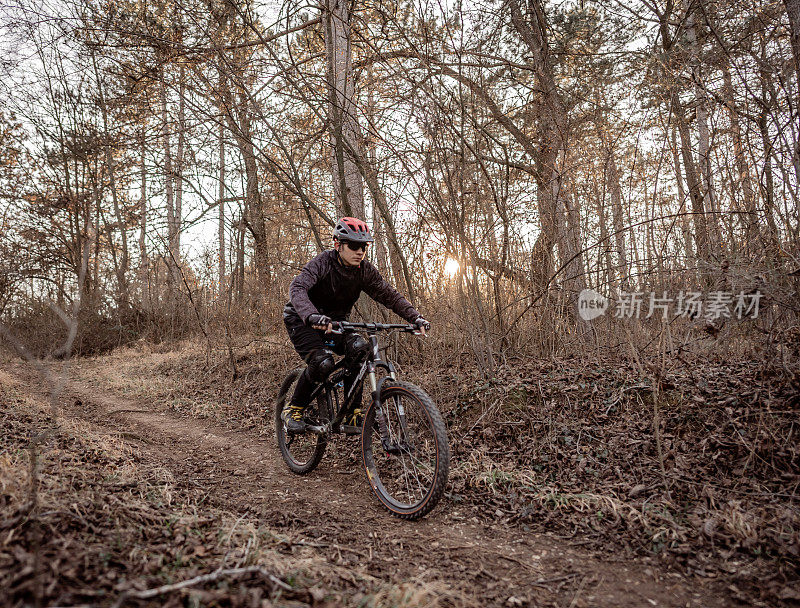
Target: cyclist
x,y
325,291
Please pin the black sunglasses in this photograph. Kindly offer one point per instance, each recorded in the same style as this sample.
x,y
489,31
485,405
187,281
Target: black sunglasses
x,y
356,246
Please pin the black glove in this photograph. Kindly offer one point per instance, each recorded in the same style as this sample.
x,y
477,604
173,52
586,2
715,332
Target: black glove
x,y
422,323
321,320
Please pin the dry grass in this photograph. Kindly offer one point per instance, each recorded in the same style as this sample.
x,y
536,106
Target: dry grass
x,y
132,371
418,595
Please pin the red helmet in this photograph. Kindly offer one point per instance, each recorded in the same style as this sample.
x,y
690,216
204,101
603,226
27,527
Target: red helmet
x,y
353,230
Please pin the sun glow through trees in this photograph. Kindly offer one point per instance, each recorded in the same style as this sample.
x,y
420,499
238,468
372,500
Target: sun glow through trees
x,y
451,267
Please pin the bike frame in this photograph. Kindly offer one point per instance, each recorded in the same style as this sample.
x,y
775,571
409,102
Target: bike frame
x,y
369,368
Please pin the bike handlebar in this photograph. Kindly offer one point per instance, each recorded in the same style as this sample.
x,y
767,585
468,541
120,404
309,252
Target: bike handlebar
x,y
339,327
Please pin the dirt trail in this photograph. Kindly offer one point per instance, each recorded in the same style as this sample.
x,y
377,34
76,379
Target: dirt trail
x,y
334,510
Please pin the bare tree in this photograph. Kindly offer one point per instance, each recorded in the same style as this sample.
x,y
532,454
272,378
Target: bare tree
x,y
343,123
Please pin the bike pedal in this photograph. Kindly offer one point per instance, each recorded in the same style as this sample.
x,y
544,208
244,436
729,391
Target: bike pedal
x,y
350,430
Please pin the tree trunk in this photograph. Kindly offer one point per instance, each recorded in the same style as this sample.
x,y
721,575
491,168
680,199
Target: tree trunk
x,y
560,218
678,112
683,220
615,191
240,242
144,274
703,139
696,196
221,224
793,10
768,180
604,278
123,300
348,186
240,124
379,246
256,220
575,272
742,180
171,258
175,239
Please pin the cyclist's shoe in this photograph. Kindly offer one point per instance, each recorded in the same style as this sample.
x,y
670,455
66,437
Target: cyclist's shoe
x,y
356,418
292,415
351,425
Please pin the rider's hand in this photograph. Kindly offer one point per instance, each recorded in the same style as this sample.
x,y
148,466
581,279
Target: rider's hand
x,y
320,322
422,325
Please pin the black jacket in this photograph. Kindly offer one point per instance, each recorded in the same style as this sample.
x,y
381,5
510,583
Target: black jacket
x,y
326,286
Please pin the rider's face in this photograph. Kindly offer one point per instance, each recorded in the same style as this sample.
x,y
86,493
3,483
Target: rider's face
x,y
350,257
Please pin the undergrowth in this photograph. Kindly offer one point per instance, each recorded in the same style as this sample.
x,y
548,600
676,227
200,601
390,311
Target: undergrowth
x,y
703,472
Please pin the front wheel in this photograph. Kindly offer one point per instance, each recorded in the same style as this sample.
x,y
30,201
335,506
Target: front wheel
x,y
406,461
302,452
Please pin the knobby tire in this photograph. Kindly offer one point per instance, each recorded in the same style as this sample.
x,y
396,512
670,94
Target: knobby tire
x,y
301,462
387,477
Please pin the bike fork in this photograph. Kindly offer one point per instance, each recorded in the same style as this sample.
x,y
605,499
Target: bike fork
x,y
380,418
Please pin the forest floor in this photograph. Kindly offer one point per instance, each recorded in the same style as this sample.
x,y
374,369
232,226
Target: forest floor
x,y
158,470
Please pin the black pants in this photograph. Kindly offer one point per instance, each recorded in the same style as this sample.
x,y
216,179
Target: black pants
x,y
309,344
306,340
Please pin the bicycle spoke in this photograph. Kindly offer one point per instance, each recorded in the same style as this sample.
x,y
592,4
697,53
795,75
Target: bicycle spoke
x,y
408,472
416,478
302,452
405,440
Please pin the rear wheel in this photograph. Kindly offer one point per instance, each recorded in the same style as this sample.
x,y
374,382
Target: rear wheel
x,y
408,473
302,452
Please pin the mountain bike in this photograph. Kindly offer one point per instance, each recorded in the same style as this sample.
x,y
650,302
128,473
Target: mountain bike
x,y
404,447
